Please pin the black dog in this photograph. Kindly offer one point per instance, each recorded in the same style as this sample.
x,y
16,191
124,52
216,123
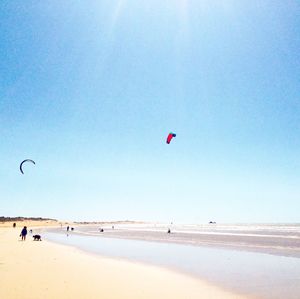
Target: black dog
x,y
37,238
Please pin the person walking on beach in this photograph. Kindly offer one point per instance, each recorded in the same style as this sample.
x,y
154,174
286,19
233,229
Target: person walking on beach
x,y
23,233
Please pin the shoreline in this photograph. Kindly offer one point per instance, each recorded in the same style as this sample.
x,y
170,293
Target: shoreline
x,y
274,244
45,269
262,275
153,265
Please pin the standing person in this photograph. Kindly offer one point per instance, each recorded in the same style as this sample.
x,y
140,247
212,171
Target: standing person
x,y
24,233
68,228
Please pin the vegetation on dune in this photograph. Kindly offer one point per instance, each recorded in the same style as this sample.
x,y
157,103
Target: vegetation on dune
x,y
19,218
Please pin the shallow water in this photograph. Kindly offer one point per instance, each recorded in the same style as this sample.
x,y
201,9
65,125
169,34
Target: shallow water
x,y
257,274
278,239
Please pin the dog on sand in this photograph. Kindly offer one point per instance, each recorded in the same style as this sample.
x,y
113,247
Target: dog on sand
x,y
37,238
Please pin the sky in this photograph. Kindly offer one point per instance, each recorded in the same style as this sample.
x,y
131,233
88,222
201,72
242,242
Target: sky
x,y
91,89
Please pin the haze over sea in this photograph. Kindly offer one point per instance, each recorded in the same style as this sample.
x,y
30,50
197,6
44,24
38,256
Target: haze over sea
x,y
261,260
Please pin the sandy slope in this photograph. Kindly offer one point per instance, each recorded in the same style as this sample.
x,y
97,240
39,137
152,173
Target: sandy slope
x,y
30,223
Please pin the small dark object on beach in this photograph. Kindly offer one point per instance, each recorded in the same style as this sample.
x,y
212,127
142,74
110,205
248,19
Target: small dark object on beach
x,y
72,228
14,225
68,227
101,230
30,231
37,238
212,222
169,231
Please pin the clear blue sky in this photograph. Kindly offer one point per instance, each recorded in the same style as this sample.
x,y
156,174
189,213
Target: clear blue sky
x,y
90,90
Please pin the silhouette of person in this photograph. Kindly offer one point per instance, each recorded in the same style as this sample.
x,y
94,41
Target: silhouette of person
x,y
24,233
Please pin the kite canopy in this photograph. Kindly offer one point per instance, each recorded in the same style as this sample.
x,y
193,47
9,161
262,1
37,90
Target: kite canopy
x,y
21,165
170,137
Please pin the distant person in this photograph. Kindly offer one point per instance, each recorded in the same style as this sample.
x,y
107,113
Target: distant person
x,y
30,231
14,225
169,231
113,227
68,227
24,233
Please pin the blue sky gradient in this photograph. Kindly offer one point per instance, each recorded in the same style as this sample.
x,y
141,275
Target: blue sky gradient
x,y
90,90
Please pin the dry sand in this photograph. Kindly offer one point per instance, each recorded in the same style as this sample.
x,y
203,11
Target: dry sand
x,y
31,223
35,270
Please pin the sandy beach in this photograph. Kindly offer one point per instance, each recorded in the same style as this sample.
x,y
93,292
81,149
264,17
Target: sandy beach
x,y
30,223
32,270
260,260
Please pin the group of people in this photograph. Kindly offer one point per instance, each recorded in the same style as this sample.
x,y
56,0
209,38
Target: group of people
x,y
68,228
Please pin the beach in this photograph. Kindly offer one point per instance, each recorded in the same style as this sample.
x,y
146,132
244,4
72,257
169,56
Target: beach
x,y
260,260
32,270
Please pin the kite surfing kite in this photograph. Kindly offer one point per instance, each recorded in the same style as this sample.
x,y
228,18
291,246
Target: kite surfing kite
x,y
27,160
170,136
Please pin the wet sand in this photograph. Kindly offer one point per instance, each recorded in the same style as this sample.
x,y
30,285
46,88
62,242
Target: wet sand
x,y
257,274
34,270
283,240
